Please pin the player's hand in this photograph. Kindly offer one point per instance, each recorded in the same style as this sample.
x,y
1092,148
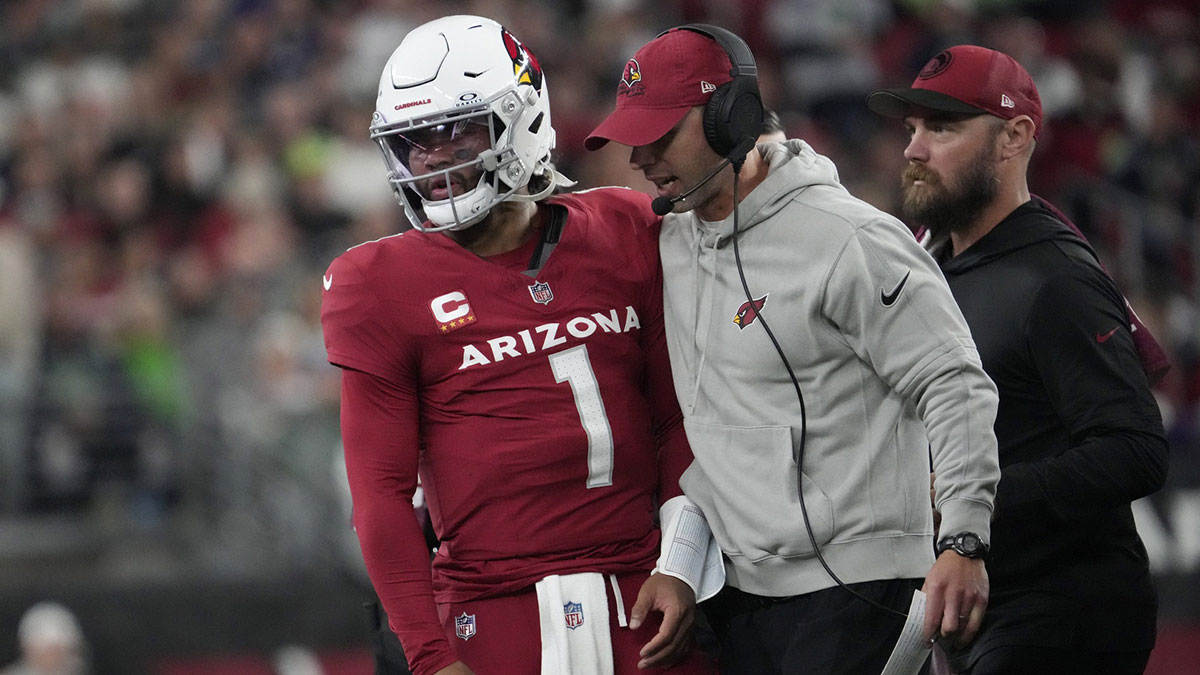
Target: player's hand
x,y
956,595
677,603
456,668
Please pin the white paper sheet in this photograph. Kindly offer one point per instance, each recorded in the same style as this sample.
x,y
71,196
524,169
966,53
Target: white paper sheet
x,y
689,550
911,649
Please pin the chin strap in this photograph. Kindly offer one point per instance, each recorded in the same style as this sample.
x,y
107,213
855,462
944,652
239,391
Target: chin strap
x,y
489,159
556,180
559,179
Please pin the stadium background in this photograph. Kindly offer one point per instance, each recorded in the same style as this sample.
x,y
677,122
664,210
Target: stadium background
x,y
175,176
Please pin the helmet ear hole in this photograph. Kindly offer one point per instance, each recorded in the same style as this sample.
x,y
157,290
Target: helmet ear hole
x,y
537,123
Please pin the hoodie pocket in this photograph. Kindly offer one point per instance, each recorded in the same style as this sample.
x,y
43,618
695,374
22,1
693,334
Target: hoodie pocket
x,y
744,478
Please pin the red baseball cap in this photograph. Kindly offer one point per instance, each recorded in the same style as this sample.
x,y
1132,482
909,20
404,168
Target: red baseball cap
x,y
968,80
668,76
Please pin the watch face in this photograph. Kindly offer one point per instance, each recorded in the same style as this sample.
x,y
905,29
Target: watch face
x,y
970,543
966,544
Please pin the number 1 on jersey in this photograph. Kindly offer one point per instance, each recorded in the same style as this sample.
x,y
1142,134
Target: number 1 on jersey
x,y
573,366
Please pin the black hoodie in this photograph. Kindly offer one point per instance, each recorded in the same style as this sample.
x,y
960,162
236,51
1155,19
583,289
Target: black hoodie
x,y
1079,431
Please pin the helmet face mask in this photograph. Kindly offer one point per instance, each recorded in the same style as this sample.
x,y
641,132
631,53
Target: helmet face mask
x,y
446,82
469,188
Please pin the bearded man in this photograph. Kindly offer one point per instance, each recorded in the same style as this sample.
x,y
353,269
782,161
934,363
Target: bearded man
x,y
1080,433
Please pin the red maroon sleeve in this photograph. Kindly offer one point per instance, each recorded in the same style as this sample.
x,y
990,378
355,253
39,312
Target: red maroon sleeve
x,y
352,319
379,432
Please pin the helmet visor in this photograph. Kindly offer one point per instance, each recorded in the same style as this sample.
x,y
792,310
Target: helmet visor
x,y
407,143
459,142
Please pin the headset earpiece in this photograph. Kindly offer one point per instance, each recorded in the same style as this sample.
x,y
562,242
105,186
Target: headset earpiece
x,y
734,114
715,131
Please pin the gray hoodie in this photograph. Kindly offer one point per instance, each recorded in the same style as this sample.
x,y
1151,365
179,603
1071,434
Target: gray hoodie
x,y
889,373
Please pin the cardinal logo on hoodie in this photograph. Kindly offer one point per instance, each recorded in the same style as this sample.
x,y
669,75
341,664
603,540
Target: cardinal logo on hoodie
x,y
748,312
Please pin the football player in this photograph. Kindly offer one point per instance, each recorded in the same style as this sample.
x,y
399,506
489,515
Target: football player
x,y
510,350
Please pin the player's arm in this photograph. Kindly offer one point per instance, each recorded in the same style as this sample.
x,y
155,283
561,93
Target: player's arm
x,y
379,434
1079,340
689,552
674,453
689,566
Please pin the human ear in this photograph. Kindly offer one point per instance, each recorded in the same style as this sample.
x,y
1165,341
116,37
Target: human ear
x,y
1016,137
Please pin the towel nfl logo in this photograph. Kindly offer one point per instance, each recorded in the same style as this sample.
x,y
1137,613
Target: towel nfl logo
x,y
464,626
573,611
541,293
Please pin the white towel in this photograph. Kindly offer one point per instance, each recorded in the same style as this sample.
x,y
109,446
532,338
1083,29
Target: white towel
x,y
573,614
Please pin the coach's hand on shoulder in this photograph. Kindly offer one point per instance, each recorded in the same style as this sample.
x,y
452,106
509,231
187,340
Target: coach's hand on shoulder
x,y
676,601
956,595
456,668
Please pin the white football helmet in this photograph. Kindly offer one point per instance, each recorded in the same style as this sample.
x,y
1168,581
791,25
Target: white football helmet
x,y
445,76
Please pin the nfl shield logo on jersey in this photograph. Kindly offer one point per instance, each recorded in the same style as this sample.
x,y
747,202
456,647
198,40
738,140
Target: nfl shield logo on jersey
x,y
573,612
541,292
464,626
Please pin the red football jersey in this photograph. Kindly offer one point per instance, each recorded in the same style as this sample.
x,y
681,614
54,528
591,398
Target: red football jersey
x,y
540,410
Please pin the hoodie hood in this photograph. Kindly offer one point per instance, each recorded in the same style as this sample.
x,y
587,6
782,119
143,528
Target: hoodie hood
x,y
1030,223
793,166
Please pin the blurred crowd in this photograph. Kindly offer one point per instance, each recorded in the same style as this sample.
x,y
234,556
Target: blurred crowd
x,y
175,176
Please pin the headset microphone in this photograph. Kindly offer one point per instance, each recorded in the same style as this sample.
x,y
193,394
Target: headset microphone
x,y
663,205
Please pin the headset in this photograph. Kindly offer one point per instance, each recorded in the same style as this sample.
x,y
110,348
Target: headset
x,y
733,115
733,119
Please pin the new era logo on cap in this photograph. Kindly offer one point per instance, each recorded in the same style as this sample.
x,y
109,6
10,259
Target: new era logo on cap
x,y
966,80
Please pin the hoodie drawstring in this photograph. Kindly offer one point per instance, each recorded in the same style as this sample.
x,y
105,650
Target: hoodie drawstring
x,y
708,318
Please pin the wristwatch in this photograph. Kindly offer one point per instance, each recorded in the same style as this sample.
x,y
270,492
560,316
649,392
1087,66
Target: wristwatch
x,y
966,544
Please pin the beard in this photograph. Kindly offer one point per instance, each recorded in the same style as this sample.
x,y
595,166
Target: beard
x,y
942,209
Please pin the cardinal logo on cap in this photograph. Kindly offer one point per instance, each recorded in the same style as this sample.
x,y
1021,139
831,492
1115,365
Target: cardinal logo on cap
x,y
631,77
936,65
